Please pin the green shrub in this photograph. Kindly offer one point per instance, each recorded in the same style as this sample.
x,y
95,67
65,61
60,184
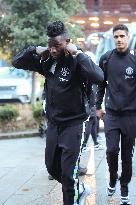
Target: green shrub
x,y
8,112
37,111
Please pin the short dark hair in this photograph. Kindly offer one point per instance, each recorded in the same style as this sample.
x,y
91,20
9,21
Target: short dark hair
x,y
56,28
120,27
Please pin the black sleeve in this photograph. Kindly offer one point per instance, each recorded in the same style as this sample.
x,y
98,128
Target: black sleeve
x,y
27,59
92,98
89,70
101,86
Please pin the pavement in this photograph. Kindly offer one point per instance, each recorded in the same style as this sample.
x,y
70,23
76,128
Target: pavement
x,y
24,178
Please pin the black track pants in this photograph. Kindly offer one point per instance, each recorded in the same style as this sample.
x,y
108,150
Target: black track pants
x,y
120,127
62,152
91,128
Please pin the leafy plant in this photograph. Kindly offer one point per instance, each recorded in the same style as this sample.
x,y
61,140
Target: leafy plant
x,y
37,111
8,112
24,22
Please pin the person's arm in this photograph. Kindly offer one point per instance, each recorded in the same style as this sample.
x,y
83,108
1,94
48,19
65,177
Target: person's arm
x,y
88,69
29,59
101,91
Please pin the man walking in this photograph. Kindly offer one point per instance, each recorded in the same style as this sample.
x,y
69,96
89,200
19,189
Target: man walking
x,y
65,69
119,66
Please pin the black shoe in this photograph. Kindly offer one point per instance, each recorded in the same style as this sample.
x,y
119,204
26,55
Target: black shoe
x,y
50,177
82,171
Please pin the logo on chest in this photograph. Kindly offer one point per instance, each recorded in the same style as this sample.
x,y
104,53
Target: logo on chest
x,y
129,73
64,74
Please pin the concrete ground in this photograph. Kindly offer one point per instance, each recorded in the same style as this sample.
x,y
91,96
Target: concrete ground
x,y
24,178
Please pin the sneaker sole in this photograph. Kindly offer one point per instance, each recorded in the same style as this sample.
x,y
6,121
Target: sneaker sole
x,y
125,203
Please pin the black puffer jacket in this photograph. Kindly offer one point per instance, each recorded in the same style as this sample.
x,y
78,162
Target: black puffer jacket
x,y
64,93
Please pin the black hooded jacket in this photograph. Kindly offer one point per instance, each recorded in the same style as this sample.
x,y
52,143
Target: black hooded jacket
x,y
64,91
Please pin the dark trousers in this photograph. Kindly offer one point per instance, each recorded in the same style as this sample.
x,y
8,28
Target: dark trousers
x,y
98,126
119,127
62,156
91,128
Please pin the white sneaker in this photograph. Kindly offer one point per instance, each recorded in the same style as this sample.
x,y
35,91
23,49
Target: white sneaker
x,y
84,191
86,149
125,200
110,190
99,147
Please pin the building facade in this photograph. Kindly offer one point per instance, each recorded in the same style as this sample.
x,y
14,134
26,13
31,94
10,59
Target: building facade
x,y
103,14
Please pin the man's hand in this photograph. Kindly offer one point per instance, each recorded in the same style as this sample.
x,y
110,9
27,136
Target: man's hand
x,y
100,114
40,50
72,49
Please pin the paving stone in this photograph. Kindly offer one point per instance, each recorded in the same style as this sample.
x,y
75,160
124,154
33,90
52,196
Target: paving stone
x,y
24,178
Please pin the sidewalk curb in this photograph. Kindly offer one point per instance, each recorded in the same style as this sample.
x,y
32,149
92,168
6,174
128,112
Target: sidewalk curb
x,y
23,134
19,134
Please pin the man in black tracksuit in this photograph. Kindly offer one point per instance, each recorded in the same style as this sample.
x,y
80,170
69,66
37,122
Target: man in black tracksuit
x,y
65,69
119,68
